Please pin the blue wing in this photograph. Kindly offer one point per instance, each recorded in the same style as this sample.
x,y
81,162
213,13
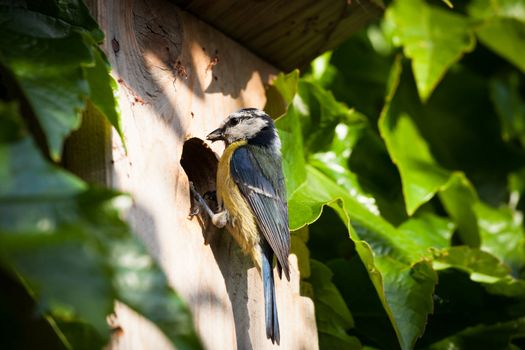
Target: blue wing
x,y
259,177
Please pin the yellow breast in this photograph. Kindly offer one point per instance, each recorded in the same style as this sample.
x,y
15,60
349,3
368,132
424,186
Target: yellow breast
x,y
241,223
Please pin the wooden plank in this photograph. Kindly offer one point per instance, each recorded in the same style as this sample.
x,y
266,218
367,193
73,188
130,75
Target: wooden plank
x,y
178,79
288,34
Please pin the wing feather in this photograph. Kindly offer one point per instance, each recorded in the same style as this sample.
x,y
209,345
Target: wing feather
x,y
260,180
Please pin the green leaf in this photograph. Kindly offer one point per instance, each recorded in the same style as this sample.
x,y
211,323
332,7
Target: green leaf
x,y
483,268
299,248
458,198
516,187
74,12
372,321
448,3
305,206
502,235
54,80
104,91
408,291
332,314
408,320
510,106
492,336
361,66
423,234
281,93
499,8
67,244
33,196
432,37
292,150
421,175
320,113
322,72
51,78
506,37
309,102
501,27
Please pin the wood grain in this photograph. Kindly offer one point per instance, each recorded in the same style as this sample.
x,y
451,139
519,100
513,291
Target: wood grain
x,y
288,34
178,79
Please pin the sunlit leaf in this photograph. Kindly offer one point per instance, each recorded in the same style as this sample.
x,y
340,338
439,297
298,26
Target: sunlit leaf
x,y
103,91
502,234
433,38
483,268
421,175
501,27
458,198
281,93
448,3
305,206
506,37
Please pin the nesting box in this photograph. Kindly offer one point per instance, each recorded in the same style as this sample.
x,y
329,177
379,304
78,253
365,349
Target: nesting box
x,y
182,67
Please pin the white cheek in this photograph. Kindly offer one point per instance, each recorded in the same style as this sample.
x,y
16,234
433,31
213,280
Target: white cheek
x,y
277,143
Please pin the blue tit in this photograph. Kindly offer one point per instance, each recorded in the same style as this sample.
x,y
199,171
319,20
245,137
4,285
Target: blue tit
x,y
252,198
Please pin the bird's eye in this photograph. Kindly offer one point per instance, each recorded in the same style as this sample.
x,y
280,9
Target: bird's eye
x,y
234,121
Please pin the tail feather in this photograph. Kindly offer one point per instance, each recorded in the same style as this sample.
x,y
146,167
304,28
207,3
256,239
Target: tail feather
x,y
270,305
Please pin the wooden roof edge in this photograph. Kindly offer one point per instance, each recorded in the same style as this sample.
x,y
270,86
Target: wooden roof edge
x,y
287,34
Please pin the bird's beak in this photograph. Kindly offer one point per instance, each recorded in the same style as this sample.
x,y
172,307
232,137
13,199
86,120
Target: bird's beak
x,y
216,135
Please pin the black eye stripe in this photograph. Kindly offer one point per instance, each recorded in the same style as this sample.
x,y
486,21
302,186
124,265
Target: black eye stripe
x,y
237,120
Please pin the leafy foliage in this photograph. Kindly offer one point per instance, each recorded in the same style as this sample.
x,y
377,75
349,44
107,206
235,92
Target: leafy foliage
x,y
407,207
56,82
62,239
424,174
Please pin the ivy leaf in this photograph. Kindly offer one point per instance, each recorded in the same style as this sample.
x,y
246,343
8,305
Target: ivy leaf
x,y
510,107
485,336
51,78
292,150
320,113
307,104
483,268
421,175
417,282
502,235
425,233
448,3
408,321
57,82
74,12
332,314
69,247
505,37
433,38
305,206
372,321
361,66
281,93
103,91
501,27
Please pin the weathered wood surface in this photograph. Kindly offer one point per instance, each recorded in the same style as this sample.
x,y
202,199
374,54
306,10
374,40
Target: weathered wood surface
x,y
288,34
178,78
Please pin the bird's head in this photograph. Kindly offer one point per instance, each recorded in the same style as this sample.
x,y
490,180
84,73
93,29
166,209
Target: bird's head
x,y
248,124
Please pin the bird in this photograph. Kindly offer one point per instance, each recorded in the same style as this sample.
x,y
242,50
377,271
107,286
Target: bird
x,y
251,196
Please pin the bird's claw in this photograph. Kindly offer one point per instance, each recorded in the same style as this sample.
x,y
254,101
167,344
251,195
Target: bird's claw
x,y
195,209
194,212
